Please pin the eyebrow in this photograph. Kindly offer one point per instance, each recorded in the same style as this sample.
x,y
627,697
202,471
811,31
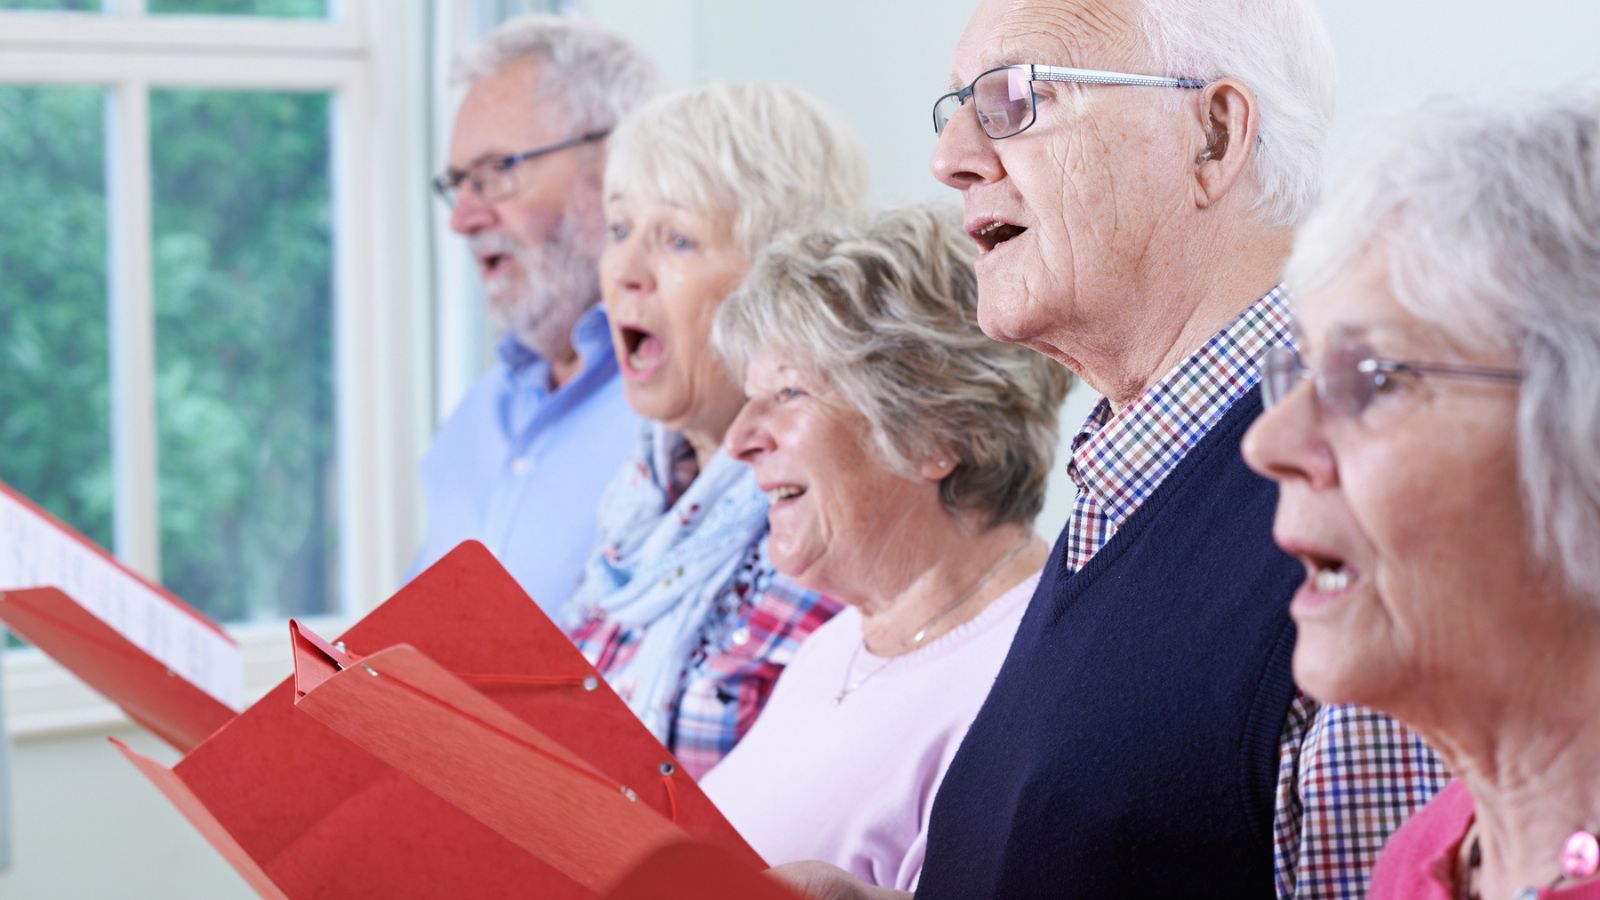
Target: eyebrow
x,y
477,160
985,64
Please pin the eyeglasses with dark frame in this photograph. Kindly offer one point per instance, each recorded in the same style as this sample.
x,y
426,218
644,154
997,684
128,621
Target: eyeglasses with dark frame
x,y
496,178
1352,375
1005,102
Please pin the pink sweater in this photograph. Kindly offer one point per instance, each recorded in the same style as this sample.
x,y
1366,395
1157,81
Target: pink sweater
x,y
852,783
1418,863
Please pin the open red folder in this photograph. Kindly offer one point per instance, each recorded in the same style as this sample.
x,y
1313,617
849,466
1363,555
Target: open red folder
x,y
60,620
300,811
699,871
152,695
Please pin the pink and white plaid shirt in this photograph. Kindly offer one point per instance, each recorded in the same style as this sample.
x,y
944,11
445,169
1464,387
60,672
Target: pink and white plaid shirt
x,y
1347,776
752,632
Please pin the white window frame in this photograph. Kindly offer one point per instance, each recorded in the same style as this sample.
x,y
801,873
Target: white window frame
x,y
372,57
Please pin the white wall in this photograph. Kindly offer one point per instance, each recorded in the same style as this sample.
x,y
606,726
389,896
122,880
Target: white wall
x,y
89,826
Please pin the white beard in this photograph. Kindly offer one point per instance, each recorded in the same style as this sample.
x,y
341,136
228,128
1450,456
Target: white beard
x,y
548,288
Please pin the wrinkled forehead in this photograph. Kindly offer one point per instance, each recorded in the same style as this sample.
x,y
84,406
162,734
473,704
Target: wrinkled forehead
x,y
1100,34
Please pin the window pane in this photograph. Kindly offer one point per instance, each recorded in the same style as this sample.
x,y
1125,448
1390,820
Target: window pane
x,y
52,5
244,351
283,9
55,413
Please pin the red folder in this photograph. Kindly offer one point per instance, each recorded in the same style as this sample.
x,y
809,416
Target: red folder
x,y
302,812
153,696
175,709
699,871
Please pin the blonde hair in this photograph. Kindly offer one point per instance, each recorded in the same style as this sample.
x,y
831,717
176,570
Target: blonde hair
x,y
887,313
769,155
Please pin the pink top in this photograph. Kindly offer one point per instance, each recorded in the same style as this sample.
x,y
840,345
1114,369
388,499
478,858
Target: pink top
x,y
852,783
1418,863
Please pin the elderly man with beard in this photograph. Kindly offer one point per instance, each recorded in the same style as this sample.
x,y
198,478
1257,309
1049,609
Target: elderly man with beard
x,y
521,462
1132,171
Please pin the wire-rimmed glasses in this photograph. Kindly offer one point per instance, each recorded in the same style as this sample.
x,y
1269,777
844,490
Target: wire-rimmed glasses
x,y
1004,100
496,178
1352,375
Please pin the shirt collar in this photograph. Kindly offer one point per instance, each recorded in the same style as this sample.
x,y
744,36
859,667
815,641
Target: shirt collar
x,y
1123,458
591,337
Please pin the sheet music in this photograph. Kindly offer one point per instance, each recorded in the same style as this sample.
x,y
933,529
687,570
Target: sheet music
x,y
35,552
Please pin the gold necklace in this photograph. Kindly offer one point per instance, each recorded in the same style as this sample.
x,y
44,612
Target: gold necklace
x,y
921,634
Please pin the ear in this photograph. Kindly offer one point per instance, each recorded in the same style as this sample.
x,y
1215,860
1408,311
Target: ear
x,y
1229,118
938,466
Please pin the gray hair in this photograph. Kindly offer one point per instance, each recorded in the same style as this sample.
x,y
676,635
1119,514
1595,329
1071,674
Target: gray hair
x,y
1281,50
887,313
595,77
768,155
1489,217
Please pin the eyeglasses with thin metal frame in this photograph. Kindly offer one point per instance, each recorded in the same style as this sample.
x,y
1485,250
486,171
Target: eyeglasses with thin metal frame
x,y
496,178
1005,101
1352,376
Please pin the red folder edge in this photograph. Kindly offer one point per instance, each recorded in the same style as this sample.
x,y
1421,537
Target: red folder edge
x,y
99,551
195,811
416,716
700,871
170,706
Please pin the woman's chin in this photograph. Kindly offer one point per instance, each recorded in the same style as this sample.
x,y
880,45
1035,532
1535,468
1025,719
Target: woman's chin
x,y
796,564
1337,671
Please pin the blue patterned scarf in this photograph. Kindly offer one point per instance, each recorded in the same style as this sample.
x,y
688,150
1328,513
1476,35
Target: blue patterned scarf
x,y
659,569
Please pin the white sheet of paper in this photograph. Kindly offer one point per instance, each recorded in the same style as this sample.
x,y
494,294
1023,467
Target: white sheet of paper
x,y
35,552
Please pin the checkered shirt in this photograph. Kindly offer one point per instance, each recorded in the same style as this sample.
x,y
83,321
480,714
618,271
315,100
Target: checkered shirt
x,y
1347,777
751,633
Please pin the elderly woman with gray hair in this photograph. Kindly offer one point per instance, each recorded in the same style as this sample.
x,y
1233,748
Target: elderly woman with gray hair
x,y
1439,475
906,456
680,608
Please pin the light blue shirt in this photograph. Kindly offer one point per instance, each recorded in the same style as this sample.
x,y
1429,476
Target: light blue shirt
x,y
5,767
521,467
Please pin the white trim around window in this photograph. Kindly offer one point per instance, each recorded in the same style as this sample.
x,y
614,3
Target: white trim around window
x,y
373,60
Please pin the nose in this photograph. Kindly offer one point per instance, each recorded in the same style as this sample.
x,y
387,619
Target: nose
x,y
748,437
625,268
471,213
1286,443
964,155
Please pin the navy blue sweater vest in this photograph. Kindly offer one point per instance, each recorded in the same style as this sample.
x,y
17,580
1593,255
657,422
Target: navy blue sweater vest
x,y
1130,745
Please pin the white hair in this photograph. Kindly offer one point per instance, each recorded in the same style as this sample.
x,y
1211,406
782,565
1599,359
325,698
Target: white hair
x,y
887,313
768,155
1489,218
1281,50
595,76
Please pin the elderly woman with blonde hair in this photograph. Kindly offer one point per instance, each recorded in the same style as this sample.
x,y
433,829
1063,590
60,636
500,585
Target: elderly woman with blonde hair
x,y
680,607
906,456
1436,442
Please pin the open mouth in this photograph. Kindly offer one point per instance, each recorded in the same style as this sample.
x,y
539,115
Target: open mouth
x,y
782,492
991,234
643,352
1328,575
493,262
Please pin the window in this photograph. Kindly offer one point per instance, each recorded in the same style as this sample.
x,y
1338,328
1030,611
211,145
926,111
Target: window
x,y
213,295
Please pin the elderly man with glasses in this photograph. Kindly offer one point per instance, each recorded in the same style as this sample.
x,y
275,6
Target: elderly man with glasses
x,y
521,462
1132,172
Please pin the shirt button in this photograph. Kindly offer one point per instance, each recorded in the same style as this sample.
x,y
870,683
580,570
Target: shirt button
x,y
741,636
520,467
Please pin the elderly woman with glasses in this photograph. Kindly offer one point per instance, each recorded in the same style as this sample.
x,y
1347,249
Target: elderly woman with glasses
x,y
680,608
1439,476
906,456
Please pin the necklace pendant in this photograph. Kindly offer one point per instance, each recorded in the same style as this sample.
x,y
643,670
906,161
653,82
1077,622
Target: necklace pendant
x,y
1580,857
838,699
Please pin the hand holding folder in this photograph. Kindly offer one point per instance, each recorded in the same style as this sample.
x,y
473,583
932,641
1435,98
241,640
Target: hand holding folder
x,y
486,758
